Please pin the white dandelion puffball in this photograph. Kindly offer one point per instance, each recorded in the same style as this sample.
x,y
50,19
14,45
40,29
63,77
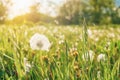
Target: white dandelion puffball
x,y
88,56
39,42
101,57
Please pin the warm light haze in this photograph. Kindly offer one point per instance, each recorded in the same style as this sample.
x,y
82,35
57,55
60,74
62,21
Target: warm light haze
x,y
23,6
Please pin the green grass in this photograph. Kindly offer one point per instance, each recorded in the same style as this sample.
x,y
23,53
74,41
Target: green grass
x,y
64,60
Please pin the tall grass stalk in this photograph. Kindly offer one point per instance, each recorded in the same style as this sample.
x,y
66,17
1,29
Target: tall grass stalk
x,y
18,58
85,37
87,63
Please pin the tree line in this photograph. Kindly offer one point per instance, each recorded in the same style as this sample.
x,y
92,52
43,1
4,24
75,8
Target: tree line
x,y
72,12
94,11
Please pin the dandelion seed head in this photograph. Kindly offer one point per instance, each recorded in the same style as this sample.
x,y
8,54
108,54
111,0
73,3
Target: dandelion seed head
x,y
61,41
39,42
88,56
89,32
101,57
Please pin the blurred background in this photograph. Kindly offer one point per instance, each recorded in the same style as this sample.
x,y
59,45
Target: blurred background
x,y
60,12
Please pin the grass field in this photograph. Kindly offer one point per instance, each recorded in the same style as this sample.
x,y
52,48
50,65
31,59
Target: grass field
x,y
73,55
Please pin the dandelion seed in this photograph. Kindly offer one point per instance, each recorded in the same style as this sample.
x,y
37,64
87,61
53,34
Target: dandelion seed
x,y
76,44
96,39
25,33
98,74
88,56
101,57
111,35
46,79
89,32
39,42
61,42
108,43
27,65
55,30
62,37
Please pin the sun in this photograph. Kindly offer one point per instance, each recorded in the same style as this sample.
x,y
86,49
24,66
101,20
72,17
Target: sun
x,y
19,7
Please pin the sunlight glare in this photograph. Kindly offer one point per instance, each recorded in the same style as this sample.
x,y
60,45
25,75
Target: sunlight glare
x,y
20,7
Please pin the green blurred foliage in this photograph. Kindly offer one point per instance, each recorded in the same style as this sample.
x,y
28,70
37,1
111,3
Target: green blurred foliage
x,y
101,11
4,5
3,12
95,12
70,12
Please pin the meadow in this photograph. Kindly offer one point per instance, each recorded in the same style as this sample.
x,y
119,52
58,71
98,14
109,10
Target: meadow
x,y
75,53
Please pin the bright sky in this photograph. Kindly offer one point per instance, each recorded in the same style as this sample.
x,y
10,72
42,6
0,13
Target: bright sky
x,y
46,6
22,6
